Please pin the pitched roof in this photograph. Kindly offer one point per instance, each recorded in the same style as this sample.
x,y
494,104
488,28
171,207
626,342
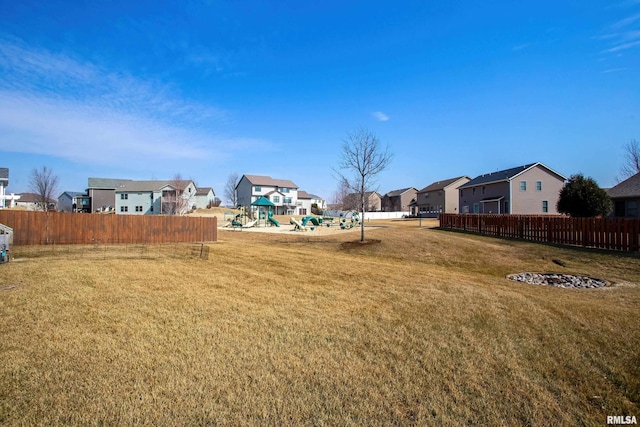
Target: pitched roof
x,y
630,187
203,191
505,175
30,198
73,194
106,183
157,185
303,195
441,185
4,174
270,182
396,193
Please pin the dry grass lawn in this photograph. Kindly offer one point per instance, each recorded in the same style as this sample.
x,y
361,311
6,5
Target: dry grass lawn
x,y
421,328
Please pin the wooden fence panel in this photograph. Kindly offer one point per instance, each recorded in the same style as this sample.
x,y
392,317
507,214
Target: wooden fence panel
x,y
42,228
621,234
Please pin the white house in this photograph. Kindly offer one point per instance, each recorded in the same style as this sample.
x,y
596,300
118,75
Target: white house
x,y
281,192
155,197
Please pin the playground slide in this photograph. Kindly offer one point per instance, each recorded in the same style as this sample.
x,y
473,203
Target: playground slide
x,y
273,221
313,219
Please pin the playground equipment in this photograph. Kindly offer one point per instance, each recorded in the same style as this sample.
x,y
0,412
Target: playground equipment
x,y
272,220
6,240
314,220
297,225
354,220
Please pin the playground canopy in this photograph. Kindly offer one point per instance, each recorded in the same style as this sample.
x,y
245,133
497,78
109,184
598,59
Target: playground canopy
x,y
261,202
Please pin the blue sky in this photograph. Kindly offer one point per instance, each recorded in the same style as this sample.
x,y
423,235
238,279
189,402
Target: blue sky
x,y
148,89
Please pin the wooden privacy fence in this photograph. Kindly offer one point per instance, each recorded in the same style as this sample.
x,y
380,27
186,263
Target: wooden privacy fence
x,y
619,234
43,228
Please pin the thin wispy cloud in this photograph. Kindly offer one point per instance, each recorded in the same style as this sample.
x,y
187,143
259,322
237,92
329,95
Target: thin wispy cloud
x,y
614,70
380,116
54,104
625,22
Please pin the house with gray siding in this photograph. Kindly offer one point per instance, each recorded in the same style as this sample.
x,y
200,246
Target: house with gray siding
x,y
398,200
102,192
626,197
4,183
527,190
74,201
440,197
155,197
205,197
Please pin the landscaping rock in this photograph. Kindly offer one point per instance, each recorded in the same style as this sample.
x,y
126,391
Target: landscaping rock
x,y
559,280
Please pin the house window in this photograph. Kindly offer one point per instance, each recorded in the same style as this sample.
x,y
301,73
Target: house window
x,y
124,208
545,206
287,200
484,188
276,199
138,208
151,208
476,208
538,185
632,208
284,190
124,196
523,185
257,189
473,190
506,207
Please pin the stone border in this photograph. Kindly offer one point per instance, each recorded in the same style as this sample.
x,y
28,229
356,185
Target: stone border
x,y
559,280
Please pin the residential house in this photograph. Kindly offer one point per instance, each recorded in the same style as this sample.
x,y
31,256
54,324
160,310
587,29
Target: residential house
x,y
205,197
398,200
440,197
281,192
373,201
626,197
102,192
320,203
31,202
4,183
155,197
528,189
304,199
73,201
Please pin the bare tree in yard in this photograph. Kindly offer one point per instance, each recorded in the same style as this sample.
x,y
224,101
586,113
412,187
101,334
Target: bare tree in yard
x,y
364,158
44,184
342,194
230,194
178,201
631,165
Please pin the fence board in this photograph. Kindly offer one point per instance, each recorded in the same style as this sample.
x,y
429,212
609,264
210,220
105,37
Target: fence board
x,y
42,228
621,234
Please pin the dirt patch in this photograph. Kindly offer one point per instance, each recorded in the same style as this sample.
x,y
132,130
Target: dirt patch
x,y
359,244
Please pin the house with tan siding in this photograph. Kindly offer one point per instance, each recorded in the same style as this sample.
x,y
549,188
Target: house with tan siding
x,y
440,197
531,189
626,197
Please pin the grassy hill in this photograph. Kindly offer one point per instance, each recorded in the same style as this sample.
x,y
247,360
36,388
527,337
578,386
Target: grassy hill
x,y
418,327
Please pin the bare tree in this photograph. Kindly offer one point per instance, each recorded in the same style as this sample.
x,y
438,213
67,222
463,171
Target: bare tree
x,y
341,195
631,165
230,193
179,200
44,184
364,158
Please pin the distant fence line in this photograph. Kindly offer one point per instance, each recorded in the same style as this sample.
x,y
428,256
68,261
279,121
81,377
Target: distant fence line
x,y
43,228
621,234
